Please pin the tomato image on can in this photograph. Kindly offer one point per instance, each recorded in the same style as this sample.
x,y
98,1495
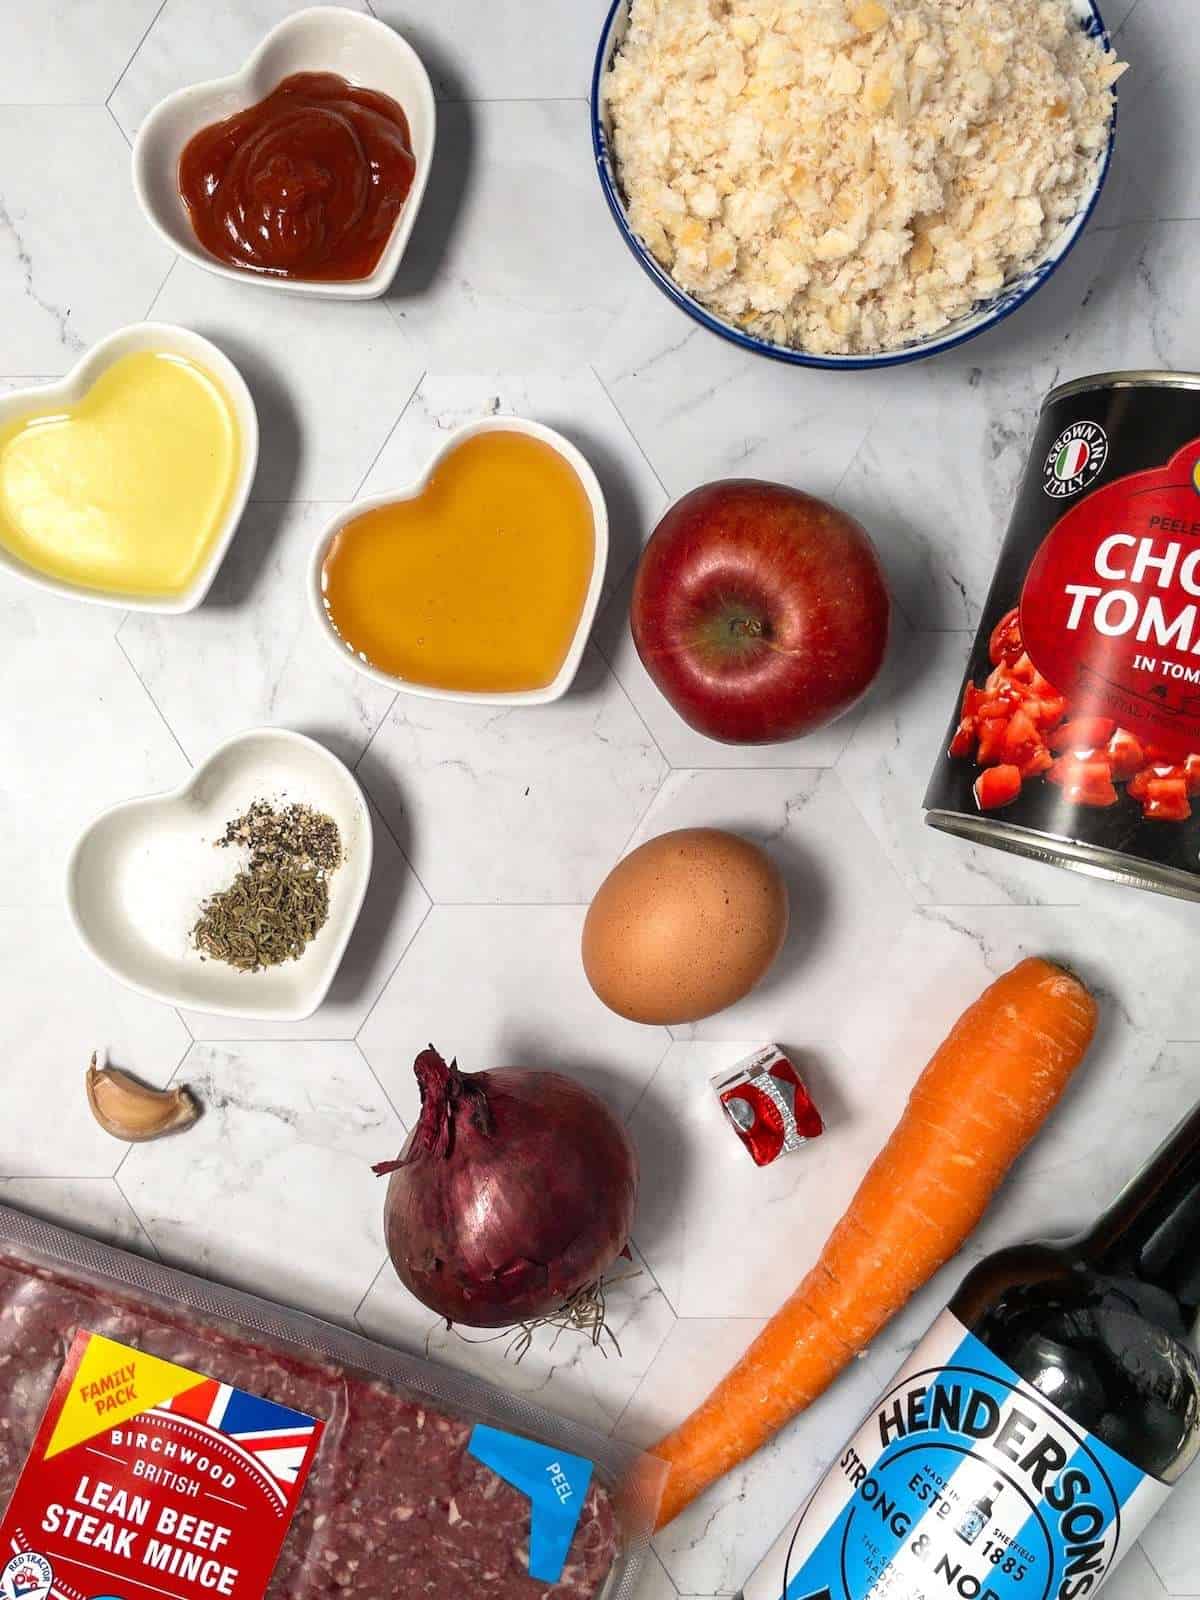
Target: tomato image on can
x,y
1076,737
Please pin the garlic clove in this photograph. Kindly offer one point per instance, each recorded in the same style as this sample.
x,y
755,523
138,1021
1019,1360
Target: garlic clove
x,y
131,1110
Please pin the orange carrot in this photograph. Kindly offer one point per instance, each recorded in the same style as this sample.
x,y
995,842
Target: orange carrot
x,y
983,1096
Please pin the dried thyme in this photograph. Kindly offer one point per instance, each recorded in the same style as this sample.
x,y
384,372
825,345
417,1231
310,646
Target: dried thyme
x,y
279,901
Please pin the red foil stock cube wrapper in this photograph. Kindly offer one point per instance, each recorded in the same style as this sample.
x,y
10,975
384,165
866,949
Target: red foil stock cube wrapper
x,y
766,1103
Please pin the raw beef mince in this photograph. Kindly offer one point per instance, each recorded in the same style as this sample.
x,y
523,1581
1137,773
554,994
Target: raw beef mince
x,y
394,1504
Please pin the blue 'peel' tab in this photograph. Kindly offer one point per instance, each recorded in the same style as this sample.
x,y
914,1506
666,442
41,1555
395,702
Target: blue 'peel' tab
x,y
556,1483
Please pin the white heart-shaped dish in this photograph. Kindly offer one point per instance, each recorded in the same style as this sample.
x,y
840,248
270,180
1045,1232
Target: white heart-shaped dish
x,y
321,39
139,871
566,673
139,336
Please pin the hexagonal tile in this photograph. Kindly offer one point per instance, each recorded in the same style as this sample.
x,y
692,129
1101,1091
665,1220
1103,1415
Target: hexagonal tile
x,y
938,517
701,1192
94,1206
562,1370
943,959
485,287
703,409
329,377
1152,938
1135,1578
526,804
847,905
42,62
548,56
253,653
504,986
280,1198
392,912
64,179
61,1008
683,746
887,765
574,403
654,1584
693,1358
713,1546
1168,1547
97,738
192,40
1159,182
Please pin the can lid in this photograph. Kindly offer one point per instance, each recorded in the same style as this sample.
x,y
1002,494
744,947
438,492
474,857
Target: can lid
x,y
1124,380
1078,855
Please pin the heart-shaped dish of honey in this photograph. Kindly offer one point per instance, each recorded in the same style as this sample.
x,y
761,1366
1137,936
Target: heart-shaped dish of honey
x,y
479,583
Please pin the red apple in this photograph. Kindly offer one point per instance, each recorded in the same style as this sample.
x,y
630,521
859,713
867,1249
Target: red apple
x,y
760,612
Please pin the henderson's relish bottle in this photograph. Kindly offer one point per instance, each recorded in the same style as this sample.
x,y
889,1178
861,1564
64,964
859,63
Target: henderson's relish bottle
x,y
1035,1429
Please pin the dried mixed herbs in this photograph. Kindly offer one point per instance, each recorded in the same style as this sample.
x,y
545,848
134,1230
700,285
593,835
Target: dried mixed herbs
x,y
279,901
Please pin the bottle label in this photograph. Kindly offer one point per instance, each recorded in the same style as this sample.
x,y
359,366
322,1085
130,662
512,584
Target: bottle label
x,y
147,1479
964,1483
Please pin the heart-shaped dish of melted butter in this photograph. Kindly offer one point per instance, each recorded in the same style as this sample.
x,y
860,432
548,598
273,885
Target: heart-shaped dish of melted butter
x,y
124,482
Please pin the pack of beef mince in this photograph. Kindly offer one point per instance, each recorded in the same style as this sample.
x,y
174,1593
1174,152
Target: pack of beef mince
x,y
165,1436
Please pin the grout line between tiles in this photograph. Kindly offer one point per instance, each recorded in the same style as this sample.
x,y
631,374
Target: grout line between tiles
x,y
384,987
161,287
145,35
117,125
645,726
150,697
630,432
387,439
377,809
645,1089
366,1294
1126,20
137,1217
367,1063
655,1557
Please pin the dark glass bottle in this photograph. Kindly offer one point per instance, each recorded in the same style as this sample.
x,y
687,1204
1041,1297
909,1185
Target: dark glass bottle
x,y
964,1484
1104,1325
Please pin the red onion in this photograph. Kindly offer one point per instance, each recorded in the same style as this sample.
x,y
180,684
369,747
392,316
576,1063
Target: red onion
x,y
516,1189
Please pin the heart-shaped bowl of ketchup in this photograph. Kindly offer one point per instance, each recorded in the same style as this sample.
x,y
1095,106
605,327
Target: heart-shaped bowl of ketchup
x,y
302,171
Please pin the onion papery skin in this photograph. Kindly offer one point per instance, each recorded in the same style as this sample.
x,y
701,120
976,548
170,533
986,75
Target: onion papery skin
x,y
516,1188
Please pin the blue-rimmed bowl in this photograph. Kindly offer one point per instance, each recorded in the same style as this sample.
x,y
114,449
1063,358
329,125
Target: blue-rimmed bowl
x,y
985,315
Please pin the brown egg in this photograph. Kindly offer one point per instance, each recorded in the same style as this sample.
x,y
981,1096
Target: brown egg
x,y
686,925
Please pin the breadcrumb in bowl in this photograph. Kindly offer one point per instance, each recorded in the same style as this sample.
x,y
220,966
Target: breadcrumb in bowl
x,y
894,178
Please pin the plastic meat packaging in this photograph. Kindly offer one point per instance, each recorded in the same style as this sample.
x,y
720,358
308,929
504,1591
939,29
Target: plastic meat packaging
x,y
162,1435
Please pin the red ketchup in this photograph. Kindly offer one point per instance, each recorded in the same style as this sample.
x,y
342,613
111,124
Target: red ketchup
x,y
307,184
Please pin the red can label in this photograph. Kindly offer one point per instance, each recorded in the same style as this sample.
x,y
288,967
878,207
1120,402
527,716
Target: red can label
x,y
1077,730
1110,609
147,1479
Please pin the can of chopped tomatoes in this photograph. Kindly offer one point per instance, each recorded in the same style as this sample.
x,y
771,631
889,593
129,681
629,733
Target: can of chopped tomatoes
x,y
1076,737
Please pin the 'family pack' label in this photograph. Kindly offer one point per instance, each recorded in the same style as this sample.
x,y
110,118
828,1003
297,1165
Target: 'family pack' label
x,y
147,1479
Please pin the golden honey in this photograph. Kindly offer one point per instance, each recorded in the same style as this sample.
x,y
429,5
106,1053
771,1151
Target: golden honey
x,y
476,584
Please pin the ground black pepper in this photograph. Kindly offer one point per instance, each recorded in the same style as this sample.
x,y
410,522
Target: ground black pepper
x,y
279,901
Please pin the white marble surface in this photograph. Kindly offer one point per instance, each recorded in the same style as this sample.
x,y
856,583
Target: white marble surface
x,y
493,829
